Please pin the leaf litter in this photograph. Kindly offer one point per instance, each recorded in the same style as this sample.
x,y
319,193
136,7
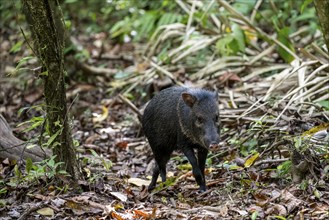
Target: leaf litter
x,y
270,123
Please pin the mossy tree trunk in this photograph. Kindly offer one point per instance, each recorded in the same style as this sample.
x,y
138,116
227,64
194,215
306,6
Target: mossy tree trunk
x,y
322,9
46,24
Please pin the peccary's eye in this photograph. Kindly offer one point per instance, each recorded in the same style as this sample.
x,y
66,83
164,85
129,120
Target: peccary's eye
x,y
199,120
216,118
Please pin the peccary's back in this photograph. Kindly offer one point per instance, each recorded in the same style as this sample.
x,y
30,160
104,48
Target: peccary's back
x,y
160,119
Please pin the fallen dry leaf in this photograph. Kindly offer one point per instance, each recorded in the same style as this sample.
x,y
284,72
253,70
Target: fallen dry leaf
x,y
46,211
101,117
139,182
251,160
290,201
122,197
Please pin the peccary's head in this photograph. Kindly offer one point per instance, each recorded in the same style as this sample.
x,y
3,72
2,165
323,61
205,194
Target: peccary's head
x,y
199,116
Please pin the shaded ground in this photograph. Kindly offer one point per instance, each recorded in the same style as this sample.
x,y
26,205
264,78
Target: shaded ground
x,y
117,161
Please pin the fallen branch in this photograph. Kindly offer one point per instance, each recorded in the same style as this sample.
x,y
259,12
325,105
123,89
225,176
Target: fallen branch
x,y
16,149
95,70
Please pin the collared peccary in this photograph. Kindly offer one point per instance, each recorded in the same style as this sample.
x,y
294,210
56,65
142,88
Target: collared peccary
x,y
181,118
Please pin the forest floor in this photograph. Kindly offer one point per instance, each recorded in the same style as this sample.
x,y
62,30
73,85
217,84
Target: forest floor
x,y
117,163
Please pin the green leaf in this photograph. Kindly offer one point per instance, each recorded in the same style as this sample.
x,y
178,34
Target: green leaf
x,y
305,4
21,110
51,162
57,123
70,1
232,43
324,104
17,171
168,18
68,24
94,153
3,190
107,164
30,146
239,37
283,37
29,165
185,166
280,217
62,172
254,215
23,61
35,122
169,182
16,47
76,143
45,73
317,194
53,137
223,45
122,75
284,167
121,27
298,142
244,7
235,167
148,23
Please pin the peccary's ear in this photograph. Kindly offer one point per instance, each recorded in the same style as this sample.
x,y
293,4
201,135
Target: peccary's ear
x,y
189,99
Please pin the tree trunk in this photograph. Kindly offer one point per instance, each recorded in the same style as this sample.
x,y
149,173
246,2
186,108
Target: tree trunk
x,y
322,9
15,149
46,24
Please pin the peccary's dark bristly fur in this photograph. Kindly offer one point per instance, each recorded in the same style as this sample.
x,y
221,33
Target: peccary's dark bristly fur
x,y
182,118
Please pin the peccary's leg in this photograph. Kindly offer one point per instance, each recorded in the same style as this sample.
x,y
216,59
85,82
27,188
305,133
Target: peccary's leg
x,y
189,153
154,177
202,157
160,168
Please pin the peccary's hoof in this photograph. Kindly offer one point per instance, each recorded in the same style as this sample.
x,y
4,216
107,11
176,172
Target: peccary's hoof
x,y
202,189
150,188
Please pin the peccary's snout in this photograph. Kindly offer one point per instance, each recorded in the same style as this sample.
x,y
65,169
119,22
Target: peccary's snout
x,y
211,139
213,144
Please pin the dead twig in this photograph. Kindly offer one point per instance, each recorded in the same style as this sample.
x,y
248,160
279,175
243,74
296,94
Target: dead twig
x,y
131,105
95,70
270,161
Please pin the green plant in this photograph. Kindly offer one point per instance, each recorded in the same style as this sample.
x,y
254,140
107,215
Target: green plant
x,y
99,159
34,172
3,188
283,169
44,140
32,123
96,160
47,168
232,42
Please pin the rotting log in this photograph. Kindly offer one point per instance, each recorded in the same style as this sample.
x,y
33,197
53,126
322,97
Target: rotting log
x,y
15,149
